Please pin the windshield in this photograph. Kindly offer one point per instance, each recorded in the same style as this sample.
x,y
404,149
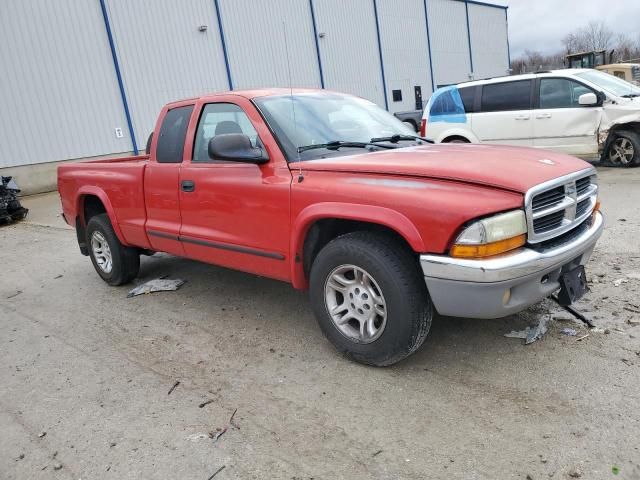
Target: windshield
x,y
305,119
610,83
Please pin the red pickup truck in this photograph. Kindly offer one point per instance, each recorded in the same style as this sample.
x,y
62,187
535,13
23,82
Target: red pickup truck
x,y
331,193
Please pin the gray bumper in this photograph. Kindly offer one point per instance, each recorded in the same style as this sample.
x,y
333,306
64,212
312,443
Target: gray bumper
x,y
501,286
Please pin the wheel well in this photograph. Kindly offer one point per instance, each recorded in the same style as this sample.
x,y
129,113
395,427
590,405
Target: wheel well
x,y
90,206
325,230
631,126
455,137
415,125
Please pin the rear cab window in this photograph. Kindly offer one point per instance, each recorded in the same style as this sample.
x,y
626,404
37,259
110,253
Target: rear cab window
x,y
506,96
173,132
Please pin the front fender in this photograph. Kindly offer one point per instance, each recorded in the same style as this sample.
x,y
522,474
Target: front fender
x,y
98,192
346,211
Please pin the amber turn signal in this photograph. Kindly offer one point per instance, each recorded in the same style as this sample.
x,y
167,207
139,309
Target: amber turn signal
x,y
488,249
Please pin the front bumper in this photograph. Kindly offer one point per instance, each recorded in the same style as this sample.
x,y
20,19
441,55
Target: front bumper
x,y
501,286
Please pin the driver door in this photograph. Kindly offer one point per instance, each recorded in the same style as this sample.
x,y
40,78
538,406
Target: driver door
x,y
235,214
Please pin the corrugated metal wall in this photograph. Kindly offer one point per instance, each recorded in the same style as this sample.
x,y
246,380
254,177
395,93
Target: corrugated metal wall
x,y
489,45
58,91
255,40
449,41
163,56
349,47
405,50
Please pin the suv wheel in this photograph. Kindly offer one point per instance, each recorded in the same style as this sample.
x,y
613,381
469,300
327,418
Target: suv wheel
x,y
369,298
114,262
624,149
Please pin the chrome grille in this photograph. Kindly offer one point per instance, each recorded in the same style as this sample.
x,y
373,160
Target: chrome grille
x,y
556,207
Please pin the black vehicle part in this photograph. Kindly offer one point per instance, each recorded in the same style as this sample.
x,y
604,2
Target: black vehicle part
x,y
10,207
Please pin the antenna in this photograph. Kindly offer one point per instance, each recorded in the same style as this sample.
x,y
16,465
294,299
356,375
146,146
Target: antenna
x,y
293,105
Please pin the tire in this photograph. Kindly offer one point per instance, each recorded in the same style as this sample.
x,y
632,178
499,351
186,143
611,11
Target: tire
x,y
624,149
394,277
103,244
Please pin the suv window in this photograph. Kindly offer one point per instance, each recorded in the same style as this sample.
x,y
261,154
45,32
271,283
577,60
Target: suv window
x,y
561,93
219,119
499,97
172,134
468,96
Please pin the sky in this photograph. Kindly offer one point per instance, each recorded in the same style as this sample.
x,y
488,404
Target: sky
x,y
541,24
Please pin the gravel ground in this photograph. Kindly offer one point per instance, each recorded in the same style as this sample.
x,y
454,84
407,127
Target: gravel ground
x,y
86,375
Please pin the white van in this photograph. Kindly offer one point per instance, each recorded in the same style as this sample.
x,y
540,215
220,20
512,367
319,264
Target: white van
x,y
581,112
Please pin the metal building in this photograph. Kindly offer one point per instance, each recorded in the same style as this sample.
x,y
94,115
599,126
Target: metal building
x,y
87,78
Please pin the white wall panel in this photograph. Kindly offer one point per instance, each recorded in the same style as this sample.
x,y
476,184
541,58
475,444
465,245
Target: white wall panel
x,y
488,28
58,91
255,38
449,41
349,47
405,50
163,56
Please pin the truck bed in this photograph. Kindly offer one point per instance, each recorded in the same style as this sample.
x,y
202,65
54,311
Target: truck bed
x,y
117,182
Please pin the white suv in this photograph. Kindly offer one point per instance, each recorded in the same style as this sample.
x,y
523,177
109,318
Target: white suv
x,y
582,112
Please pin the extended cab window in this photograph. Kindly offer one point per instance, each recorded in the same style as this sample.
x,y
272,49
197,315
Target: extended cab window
x,y
561,93
219,119
172,134
500,97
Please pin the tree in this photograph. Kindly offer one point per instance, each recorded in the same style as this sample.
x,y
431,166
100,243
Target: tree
x,y
596,36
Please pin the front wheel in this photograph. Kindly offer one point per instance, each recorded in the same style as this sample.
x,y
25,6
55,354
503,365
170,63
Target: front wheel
x,y
116,264
369,298
624,149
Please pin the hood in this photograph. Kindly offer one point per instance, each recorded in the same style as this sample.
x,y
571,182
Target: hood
x,y
510,168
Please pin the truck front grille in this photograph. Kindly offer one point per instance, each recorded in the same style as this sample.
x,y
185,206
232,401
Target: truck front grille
x,y
556,207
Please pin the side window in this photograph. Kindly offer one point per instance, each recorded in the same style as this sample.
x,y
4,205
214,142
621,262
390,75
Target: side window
x,y
443,105
172,134
468,95
619,74
499,97
219,119
561,93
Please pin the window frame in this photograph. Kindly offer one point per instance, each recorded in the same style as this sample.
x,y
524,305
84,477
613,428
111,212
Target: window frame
x,y
156,141
481,109
538,84
210,161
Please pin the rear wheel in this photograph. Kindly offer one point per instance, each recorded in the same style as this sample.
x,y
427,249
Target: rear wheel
x,y
370,298
624,149
114,262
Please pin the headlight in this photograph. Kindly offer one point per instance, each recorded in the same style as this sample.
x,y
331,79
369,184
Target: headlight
x,y
492,236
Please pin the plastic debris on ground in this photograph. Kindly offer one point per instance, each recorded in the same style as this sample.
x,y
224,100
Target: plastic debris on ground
x,y
10,207
532,333
156,285
569,332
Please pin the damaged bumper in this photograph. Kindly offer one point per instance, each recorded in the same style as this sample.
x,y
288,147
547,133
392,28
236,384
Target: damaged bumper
x,y
501,286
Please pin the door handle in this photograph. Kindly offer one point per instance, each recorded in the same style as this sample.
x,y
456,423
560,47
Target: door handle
x,y
188,185
544,115
523,117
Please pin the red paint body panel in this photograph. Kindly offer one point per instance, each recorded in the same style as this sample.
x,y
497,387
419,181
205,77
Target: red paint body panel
x,y
511,168
255,217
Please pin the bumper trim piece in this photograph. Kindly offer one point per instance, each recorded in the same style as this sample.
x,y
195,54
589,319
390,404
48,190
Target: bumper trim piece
x,y
518,263
501,286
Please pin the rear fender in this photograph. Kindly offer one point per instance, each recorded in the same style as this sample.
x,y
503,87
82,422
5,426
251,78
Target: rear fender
x,y
96,191
346,211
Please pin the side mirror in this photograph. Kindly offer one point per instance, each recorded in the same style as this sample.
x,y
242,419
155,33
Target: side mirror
x,y
235,147
588,99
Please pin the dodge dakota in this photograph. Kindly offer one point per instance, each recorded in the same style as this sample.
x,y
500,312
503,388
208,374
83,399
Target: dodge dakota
x,y
332,194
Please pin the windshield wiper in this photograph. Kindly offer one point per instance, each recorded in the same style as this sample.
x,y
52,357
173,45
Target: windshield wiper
x,y
398,138
631,95
336,144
